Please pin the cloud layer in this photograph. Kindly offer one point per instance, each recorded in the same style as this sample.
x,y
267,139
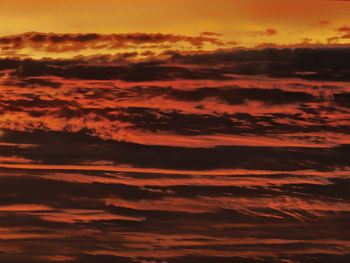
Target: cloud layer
x,y
233,155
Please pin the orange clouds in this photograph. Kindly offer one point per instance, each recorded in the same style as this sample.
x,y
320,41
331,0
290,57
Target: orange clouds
x,y
42,44
75,215
25,208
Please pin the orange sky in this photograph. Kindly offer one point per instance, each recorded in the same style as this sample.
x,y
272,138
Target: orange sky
x,y
244,22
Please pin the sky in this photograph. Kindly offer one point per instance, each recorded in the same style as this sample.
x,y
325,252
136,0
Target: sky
x,y
174,131
245,22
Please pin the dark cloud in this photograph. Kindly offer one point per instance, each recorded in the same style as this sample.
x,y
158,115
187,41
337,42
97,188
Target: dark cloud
x,y
306,63
343,99
6,64
240,95
73,148
134,72
38,38
231,95
40,82
73,192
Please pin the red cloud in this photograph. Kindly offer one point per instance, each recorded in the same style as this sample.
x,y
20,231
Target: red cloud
x,y
270,32
323,22
211,34
267,32
344,29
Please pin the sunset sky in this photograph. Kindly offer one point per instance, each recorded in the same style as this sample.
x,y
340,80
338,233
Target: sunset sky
x,y
175,131
246,23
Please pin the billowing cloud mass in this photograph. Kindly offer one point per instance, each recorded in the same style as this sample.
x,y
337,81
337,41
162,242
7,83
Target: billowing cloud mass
x,y
44,44
158,146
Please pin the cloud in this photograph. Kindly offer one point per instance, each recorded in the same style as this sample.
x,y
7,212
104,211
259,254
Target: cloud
x,y
323,22
60,43
134,72
169,225
344,30
81,147
172,103
343,99
166,220
305,63
271,31
211,34
234,155
240,95
267,32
